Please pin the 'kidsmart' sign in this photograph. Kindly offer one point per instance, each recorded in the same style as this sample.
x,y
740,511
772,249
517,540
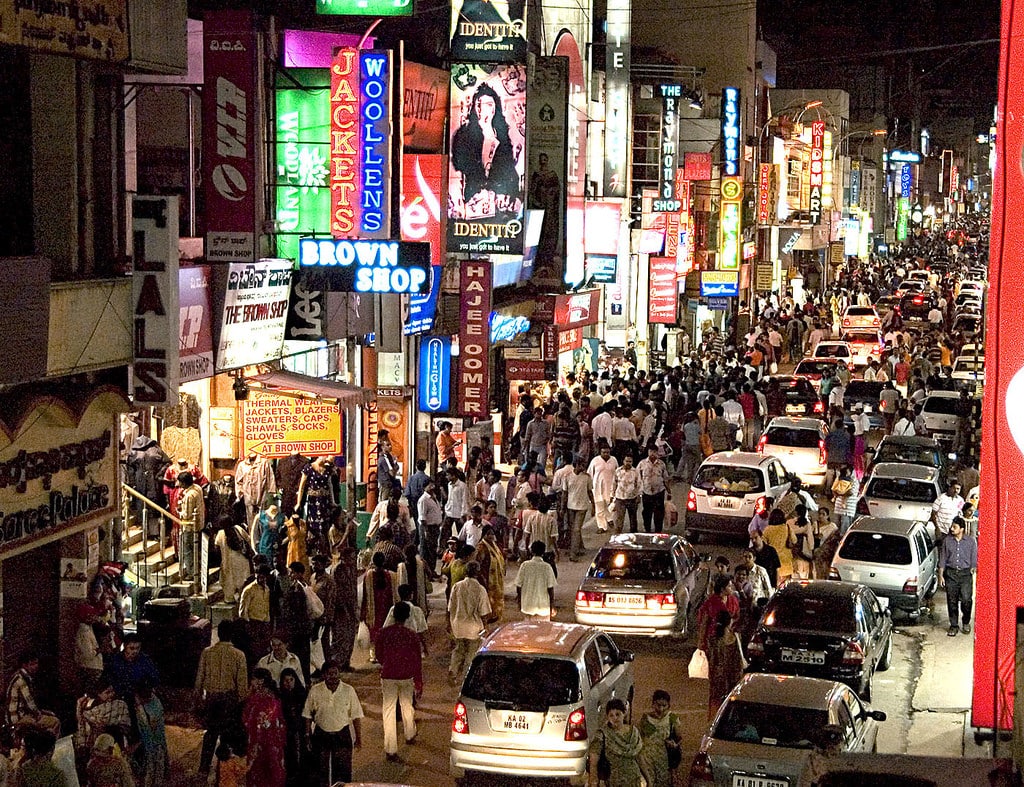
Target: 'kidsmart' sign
x,y
368,265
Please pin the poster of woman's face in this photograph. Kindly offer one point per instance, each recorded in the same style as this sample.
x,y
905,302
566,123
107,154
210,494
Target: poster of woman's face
x,y
487,162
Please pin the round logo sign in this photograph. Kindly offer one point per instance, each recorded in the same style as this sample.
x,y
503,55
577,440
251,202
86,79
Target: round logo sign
x,y
732,188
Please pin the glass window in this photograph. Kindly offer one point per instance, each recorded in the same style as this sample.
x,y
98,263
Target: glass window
x,y
609,654
725,479
792,438
815,613
845,721
902,489
769,725
540,682
893,451
876,548
632,564
592,661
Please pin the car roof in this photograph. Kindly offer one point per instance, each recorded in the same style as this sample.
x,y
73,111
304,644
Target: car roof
x,y
904,470
819,587
943,395
537,637
738,458
883,524
660,541
792,691
796,423
924,442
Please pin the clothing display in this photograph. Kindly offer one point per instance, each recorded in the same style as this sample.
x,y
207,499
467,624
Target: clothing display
x,y
318,497
289,475
254,480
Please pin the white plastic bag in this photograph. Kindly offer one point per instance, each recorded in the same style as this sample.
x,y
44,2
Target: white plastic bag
x,y
316,654
363,637
699,665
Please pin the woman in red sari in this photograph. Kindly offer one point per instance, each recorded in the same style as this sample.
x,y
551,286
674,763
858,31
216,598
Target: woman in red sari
x,y
264,726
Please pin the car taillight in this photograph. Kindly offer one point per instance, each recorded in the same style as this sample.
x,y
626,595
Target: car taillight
x,y
576,727
761,443
862,507
819,407
846,322
663,601
822,453
919,299
876,322
691,501
910,586
756,645
701,770
460,719
587,598
833,573
761,505
854,654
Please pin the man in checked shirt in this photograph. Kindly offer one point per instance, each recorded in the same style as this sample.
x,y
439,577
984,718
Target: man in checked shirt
x,y
22,709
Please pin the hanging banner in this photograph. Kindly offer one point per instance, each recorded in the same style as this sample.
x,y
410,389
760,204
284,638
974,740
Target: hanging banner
x,y
229,135
663,299
424,107
666,200
577,309
616,102
195,341
155,300
575,188
490,32
255,313
423,188
345,124
547,122
435,370
817,171
485,202
474,339
731,149
275,426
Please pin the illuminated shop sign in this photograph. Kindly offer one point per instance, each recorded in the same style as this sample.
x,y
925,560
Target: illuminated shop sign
x,y
505,327
764,195
666,201
904,157
906,181
344,143
855,184
364,7
719,284
435,374
731,131
902,218
616,126
817,177
375,144
369,265
730,224
474,335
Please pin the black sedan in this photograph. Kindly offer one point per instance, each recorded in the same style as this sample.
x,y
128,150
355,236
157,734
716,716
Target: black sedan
x,y
824,629
798,397
864,393
916,305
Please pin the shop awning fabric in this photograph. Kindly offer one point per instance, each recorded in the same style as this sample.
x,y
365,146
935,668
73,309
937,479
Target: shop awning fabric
x,y
346,395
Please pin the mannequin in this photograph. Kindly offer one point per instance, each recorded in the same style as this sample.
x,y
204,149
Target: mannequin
x,y
254,480
146,464
266,532
289,475
316,490
173,491
221,501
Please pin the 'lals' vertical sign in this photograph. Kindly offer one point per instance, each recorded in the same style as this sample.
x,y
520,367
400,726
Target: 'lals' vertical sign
x,y
616,124
731,131
817,178
474,339
155,315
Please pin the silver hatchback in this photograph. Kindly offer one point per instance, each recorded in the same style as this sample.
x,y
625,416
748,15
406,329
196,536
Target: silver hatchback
x,y
534,695
900,491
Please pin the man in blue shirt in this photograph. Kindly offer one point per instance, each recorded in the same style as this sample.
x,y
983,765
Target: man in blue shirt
x,y
957,564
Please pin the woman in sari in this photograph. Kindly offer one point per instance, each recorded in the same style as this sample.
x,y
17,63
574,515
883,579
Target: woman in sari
x,y
619,745
492,571
380,592
662,732
265,730
293,700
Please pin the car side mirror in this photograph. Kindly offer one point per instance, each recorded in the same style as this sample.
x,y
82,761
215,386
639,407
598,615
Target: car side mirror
x,y
626,656
761,603
878,715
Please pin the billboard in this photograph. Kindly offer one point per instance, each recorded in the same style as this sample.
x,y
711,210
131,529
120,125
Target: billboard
x,y
274,425
616,117
488,32
255,312
423,187
662,301
474,339
424,107
487,164
575,179
195,341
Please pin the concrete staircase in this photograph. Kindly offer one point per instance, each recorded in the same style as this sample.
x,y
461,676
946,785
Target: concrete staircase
x,y
157,566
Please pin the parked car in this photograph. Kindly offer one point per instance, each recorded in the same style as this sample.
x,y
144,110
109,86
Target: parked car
x,y
896,558
642,583
900,491
967,297
824,629
866,344
860,317
770,724
864,393
800,444
812,369
940,418
967,323
727,489
910,450
969,371
972,350
800,395
533,697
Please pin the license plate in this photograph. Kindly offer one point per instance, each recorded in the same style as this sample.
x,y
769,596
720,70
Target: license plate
x,y
742,780
623,600
803,656
725,502
515,722
794,408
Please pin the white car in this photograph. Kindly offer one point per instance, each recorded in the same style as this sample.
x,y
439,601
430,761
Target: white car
x,y
969,370
860,317
940,415
898,490
839,350
728,488
800,444
867,344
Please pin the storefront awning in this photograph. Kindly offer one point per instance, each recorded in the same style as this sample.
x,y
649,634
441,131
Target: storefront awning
x,y
345,394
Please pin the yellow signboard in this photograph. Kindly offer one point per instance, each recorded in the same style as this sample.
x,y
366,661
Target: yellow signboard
x,y
93,29
274,425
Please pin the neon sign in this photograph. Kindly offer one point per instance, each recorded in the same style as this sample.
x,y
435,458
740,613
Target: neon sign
x,y
344,143
764,200
817,177
731,131
368,265
504,327
435,374
904,157
906,181
730,221
667,201
375,143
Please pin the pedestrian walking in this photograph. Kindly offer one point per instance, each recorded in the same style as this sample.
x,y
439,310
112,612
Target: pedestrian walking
x,y
957,567
265,732
221,683
467,608
535,585
654,490
401,678
662,733
615,751
333,726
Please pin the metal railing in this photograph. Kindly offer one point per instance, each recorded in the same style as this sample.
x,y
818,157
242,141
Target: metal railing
x,y
149,508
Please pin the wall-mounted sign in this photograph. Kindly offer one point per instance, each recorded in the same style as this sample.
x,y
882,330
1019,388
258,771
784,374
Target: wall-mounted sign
x,y
255,313
307,307
195,341
274,425
375,144
155,371
730,224
764,276
345,124
229,135
578,309
424,107
314,48
666,200
90,29
575,179
524,370
904,157
767,194
365,7
902,218
906,180
485,203
616,101
663,299
730,132
506,327
422,191
719,304
601,269
817,169
603,226
488,32
474,333
369,265
435,370
570,340
954,180
855,183
697,166
719,283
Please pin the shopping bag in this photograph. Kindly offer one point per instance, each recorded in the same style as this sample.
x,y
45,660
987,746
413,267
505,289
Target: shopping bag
x,y
363,637
316,654
698,668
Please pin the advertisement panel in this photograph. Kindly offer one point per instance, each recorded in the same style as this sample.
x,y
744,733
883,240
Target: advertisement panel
x,y
423,187
697,166
435,369
666,200
307,307
364,7
577,309
817,171
767,194
603,226
576,186
524,370
487,165
424,107
229,135
345,123
90,29
195,341
664,296
730,224
255,312
274,426
616,108
474,338
602,269
547,127
719,284
490,32
570,340
730,132
155,300
361,265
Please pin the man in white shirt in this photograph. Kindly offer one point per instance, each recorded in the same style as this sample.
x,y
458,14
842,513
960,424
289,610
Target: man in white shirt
x,y
332,707
732,411
472,531
431,517
579,499
602,476
946,506
279,659
467,608
623,435
457,507
498,493
535,585
861,423
601,425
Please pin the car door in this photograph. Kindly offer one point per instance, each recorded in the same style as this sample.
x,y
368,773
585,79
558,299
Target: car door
x,y
617,674
777,479
928,562
595,674
685,580
869,621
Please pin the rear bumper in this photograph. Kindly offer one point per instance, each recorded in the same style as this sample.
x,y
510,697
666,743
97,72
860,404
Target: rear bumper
x,y
905,602
466,757
717,523
635,621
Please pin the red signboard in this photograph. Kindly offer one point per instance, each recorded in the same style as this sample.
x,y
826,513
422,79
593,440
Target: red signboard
x,y
549,345
345,143
424,107
578,309
603,222
817,176
764,187
671,234
423,188
195,343
1000,584
570,340
524,370
664,295
474,338
230,104
697,166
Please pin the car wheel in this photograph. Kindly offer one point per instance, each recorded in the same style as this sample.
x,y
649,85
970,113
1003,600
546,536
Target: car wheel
x,y
886,661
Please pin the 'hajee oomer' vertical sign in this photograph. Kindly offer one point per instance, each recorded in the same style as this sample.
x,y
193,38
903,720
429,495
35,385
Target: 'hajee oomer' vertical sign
x,y
731,132
616,108
474,339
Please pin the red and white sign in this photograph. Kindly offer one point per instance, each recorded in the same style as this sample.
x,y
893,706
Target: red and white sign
x,y
697,166
229,135
524,370
549,343
570,340
423,187
474,338
578,309
345,143
603,223
664,296
195,344
817,176
954,182
764,201
671,234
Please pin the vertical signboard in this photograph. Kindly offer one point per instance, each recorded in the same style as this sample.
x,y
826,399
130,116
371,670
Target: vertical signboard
x,y
307,306
344,178
855,184
616,102
435,369
575,188
488,32
765,198
195,340
817,169
229,135
424,107
474,339
666,200
487,163
422,191
547,117
155,300
906,181
730,224
731,132
375,144
663,299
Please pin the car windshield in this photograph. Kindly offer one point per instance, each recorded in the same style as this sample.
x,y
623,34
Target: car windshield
x,y
811,612
792,438
796,386
813,367
769,725
509,681
941,405
876,548
860,311
632,564
832,351
728,478
903,489
969,365
914,454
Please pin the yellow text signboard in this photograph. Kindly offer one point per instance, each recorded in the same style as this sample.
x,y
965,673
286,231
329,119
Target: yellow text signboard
x,y
93,29
275,425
